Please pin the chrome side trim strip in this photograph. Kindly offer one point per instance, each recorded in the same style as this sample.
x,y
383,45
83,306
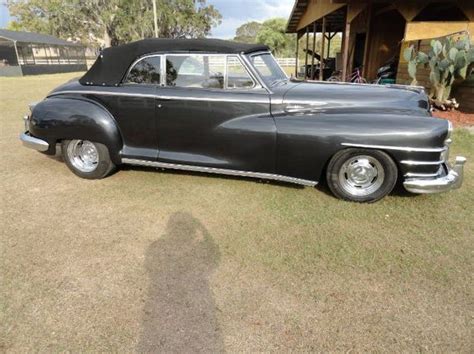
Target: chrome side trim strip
x,y
110,93
222,171
421,175
400,148
187,98
421,163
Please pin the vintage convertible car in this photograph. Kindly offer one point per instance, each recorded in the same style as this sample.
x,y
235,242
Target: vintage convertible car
x,y
223,107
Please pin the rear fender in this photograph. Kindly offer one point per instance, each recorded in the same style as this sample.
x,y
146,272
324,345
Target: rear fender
x,y
64,118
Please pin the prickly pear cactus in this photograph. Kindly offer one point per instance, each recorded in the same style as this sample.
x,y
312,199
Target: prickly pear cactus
x,y
448,59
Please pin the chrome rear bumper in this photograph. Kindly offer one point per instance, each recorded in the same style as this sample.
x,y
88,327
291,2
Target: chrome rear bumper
x,y
452,179
33,143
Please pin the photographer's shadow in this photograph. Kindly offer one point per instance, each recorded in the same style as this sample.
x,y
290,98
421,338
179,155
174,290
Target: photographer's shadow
x,y
180,312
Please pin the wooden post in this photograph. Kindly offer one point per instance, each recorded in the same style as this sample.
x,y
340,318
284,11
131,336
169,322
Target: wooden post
x,y
329,44
345,50
306,56
17,55
297,53
365,62
323,42
314,50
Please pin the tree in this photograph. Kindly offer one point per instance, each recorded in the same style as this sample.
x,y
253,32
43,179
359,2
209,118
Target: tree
x,y
247,33
112,22
272,33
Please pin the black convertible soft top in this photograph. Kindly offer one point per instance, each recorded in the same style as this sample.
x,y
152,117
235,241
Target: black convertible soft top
x,y
113,62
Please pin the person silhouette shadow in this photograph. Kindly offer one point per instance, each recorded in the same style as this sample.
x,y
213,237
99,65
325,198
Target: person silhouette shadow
x,y
179,314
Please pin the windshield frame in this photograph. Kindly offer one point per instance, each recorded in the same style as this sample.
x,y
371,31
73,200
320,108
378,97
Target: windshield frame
x,y
269,82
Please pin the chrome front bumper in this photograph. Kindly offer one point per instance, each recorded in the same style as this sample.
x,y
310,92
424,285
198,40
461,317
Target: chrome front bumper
x,y
452,179
33,143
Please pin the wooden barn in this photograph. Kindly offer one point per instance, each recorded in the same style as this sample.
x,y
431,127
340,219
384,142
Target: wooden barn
x,y
373,31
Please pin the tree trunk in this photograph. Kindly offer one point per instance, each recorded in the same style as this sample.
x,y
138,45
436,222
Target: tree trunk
x,y
107,39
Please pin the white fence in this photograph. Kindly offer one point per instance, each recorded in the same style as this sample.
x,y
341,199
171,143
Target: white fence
x,y
219,60
286,61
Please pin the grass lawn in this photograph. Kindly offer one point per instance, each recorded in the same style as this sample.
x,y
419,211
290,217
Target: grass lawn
x,y
158,260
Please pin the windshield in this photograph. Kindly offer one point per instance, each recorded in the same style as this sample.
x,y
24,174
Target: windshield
x,y
268,68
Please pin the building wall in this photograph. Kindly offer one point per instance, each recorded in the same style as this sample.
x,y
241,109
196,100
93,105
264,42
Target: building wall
x,y
386,35
428,30
7,52
422,73
10,71
464,94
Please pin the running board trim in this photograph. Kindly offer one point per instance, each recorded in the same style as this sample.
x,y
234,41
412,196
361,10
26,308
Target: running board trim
x,y
221,171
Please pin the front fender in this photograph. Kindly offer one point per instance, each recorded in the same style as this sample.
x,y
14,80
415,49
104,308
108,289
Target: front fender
x,y
63,118
306,142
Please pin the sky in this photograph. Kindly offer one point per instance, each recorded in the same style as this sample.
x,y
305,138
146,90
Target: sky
x,y
4,17
234,13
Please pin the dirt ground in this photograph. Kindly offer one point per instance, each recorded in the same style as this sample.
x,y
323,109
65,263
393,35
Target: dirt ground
x,y
150,260
459,118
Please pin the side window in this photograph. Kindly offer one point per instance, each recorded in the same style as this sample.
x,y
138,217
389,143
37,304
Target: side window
x,y
260,65
195,70
237,75
146,71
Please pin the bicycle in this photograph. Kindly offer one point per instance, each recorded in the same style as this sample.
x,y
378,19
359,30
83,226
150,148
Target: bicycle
x,y
355,77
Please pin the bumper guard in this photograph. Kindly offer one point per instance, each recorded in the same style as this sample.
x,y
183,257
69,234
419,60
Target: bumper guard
x,y
441,183
33,143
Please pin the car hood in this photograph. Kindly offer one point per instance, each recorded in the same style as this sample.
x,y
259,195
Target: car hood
x,y
349,97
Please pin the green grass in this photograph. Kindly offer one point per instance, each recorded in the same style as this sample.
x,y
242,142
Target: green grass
x,y
151,259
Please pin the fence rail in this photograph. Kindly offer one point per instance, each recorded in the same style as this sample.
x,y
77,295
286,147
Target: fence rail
x,y
286,61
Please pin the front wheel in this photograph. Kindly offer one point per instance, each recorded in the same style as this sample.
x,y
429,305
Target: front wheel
x,y
361,175
87,159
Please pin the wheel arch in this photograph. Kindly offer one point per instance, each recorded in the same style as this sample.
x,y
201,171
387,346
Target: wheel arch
x,y
65,118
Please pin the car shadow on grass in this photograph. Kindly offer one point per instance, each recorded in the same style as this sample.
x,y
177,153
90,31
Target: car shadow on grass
x,y
179,314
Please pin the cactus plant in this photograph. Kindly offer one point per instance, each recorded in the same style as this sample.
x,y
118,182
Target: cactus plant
x,y
449,59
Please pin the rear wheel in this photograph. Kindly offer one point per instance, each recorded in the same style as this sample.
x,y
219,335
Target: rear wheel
x,y
361,175
87,159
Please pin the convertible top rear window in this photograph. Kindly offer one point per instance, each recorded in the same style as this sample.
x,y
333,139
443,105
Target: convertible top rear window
x,y
146,71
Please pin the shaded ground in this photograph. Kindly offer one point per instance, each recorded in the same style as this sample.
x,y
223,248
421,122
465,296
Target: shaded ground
x,y
148,260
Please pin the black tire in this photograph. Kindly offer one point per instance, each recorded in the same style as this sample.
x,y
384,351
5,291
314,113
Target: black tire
x,y
103,167
381,166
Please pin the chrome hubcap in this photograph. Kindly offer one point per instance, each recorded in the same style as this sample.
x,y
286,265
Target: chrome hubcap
x,y
83,155
361,175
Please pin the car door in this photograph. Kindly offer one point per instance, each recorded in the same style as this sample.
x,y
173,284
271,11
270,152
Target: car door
x,y
132,103
212,113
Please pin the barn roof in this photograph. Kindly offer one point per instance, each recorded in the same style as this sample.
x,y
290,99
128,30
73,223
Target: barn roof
x,y
31,37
